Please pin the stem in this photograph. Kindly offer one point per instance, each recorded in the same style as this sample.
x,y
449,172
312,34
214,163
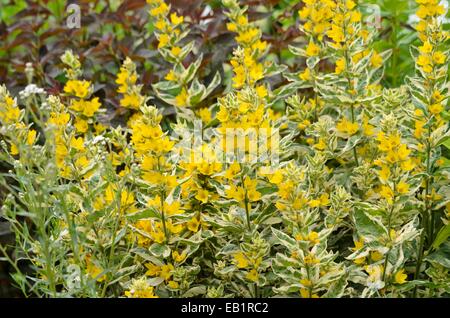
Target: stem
x,y
310,287
73,236
247,212
113,239
386,259
16,268
163,198
163,216
425,214
355,154
419,261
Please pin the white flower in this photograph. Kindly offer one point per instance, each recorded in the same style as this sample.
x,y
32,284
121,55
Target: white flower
x,y
31,89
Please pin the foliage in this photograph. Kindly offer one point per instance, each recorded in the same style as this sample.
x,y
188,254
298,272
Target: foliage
x,y
347,195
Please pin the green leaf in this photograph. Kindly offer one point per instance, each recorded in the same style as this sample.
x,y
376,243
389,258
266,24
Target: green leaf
x,y
286,91
311,62
160,250
144,214
284,239
120,235
266,213
442,236
166,86
214,83
146,256
197,92
368,225
337,288
155,281
195,291
441,256
446,143
189,74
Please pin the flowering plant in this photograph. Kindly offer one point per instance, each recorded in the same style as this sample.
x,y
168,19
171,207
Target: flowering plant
x,y
328,184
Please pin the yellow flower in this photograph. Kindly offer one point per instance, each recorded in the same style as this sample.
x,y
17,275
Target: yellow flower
x,y
77,88
324,199
163,40
77,143
376,256
439,57
205,115
321,145
202,195
376,60
241,260
132,101
171,76
175,229
402,187
237,193
347,127
81,125
252,275
152,269
31,137
276,177
176,19
253,195
231,26
248,36
173,284
312,49
177,257
222,115
94,271
310,259
359,244
182,99
140,288
175,51
193,224
314,203
261,91
313,237
173,208
336,34
367,128
306,75
384,173
242,20
387,193
166,271
400,277
261,46
388,143
162,9
426,47
340,66
232,170
436,108
305,293
350,4
160,24
306,282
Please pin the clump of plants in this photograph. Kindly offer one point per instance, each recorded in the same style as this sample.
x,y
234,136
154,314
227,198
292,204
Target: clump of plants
x,y
328,183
